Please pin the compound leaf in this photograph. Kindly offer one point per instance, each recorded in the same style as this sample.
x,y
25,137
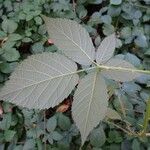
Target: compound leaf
x,y
71,38
106,49
119,75
41,81
90,103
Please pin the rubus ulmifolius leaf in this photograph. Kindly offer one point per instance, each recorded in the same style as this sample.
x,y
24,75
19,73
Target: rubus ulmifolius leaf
x,y
41,81
71,38
90,103
44,80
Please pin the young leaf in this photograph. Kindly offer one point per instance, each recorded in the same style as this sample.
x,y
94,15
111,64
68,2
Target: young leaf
x,y
72,39
90,103
51,124
98,137
106,49
41,81
112,114
119,75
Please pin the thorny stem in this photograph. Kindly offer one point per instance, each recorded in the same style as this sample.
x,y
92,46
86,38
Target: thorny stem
x,y
115,68
146,120
124,130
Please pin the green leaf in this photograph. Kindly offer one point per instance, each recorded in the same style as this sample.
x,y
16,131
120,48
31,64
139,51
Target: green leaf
x,y
108,29
29,144
51,124
81,11
126,32
11,54
114,136
135,145
141,41
2,34
56,136
37,48
119,75
6,122
97,137
41,81
134,60
9,135
106,49
38,20
95,1
112,114
1,51
14,37
8,67
106,19
63,122
9,26
2,146
72,39
90,103
115,2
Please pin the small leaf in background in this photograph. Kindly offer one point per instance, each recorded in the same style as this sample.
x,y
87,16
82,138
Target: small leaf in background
x,y
56,136
9,26
95,148
112,114
108,29
135,145
141,41
11,54
51,124
81,11
9,135
134,60
114,137
126,32
8,67
14,37
2,146
97,41
98,137
63,122
115,2
106,19
106,49
95,1
37,48
6,122
125,145
29,144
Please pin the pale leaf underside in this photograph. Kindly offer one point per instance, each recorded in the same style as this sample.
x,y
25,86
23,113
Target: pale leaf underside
x,y
41,81
106,49
72,39
90,103
119,75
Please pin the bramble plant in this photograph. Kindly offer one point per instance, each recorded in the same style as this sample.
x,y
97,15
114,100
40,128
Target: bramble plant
x,y
44,80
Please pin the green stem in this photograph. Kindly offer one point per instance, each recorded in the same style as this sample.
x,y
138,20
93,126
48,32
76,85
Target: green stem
x,y
122,69
147,117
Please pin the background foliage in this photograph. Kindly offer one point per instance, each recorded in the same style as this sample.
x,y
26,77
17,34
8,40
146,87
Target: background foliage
x,y
22,33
